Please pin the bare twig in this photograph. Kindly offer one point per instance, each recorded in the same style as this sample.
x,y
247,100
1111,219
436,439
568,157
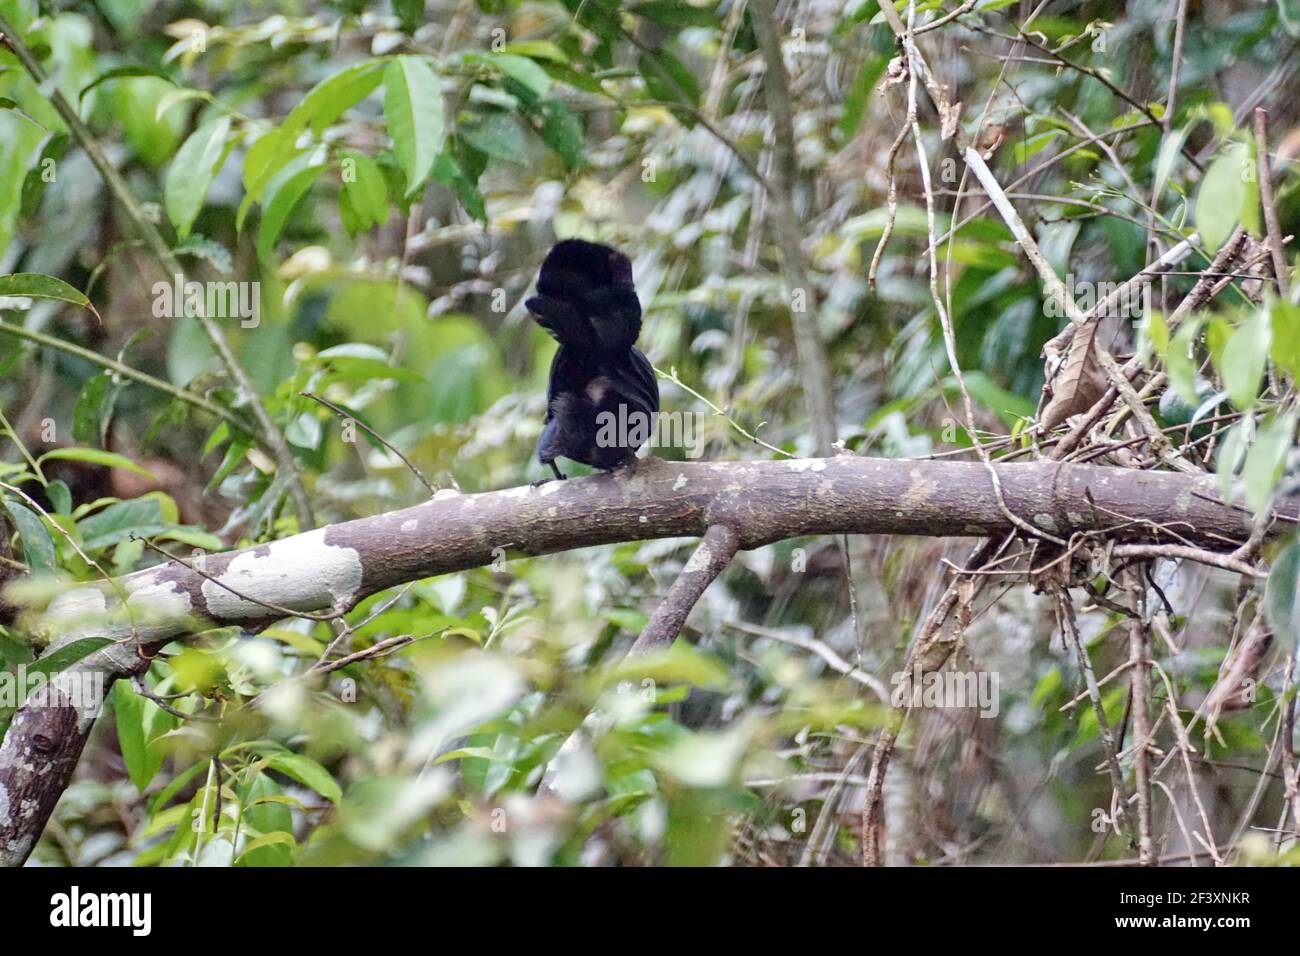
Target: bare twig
x,y
345,414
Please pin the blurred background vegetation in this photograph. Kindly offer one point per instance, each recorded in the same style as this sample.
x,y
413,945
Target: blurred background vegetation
x,y
391,175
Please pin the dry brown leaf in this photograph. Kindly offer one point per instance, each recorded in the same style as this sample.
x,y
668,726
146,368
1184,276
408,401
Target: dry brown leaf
x,y
1080,383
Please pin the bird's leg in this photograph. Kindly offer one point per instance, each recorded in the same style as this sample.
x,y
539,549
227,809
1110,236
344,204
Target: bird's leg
x,y
559,476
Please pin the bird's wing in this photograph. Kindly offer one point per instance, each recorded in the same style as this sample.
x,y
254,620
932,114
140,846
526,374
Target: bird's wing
x,y
616,316
634,380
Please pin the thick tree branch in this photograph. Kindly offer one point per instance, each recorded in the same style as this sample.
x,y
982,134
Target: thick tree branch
x,y
710,558
756,502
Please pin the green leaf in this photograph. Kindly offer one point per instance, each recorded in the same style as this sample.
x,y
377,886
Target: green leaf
x,y
1244,358
521,69
364,194
33,285
134,716
1227,190
153,137
38,546
280,204
413,108
96,456
1286,337
497,133
277,838
191,173
668,78
410,13
121,520
674,13
209,250
358,362
332,97
1266,459
42,174
94,409
60,497
562,131
263,160
1027,148
1282,596
1230,455
1180,361
307,772
537,50
1006,405
1170,150
448,172
119,72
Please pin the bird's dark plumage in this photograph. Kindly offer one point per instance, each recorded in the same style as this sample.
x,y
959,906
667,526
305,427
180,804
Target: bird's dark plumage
x,y
586,300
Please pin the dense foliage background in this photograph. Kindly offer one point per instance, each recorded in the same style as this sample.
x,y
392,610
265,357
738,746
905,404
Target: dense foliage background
x,y
391,175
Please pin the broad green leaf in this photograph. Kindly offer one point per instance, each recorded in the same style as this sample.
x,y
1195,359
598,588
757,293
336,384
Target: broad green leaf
x,y
191,173
332,97
562,131
1267,457
1006,405
277,838
60,496
38,546
1228,192
1180,361
676,13
1286,337
364,195
1028,148
280,204
668,78
410,13
307,772
263,160
133,714
94,409
1230,455
33,285
142,517
209,250
521,69
1244,358
135,101
448,172
537,50
413,107
178,95
1282,596
496,133
1154,339
96,456
118,73
1170,149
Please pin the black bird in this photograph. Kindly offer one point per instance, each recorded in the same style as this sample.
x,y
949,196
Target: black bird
x,y
603,397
